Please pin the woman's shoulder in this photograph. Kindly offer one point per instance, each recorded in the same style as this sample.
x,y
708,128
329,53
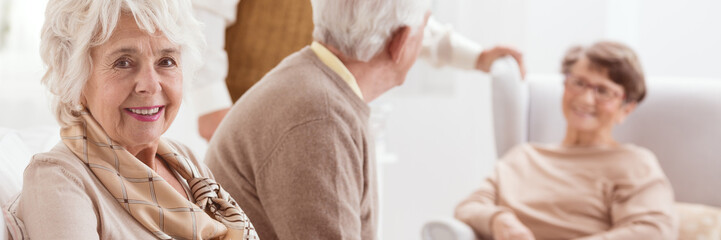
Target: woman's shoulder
x,y
518,149
61,158
639,157
638,152
519,154
56,169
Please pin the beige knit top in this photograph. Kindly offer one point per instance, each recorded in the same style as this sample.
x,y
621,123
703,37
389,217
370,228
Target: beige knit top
x,y
63,199
577,193
296,154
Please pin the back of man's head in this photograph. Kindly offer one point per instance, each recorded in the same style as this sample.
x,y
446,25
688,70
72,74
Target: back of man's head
x,y
361,28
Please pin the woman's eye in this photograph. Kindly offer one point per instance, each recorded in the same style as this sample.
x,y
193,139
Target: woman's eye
x,y
122,63
167,62
602,91
580,83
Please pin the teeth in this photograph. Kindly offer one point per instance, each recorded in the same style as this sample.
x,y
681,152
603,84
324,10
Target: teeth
x,y
150,111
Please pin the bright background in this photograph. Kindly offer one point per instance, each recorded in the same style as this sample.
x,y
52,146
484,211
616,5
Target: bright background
x,y
435,134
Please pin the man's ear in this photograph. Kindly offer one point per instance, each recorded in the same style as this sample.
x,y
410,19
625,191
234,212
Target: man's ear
x,y
398,44
626,109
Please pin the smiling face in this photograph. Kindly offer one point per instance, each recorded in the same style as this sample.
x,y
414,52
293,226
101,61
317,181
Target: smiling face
x,y
135,86
592,102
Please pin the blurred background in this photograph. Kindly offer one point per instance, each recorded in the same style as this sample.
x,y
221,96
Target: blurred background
x,y
435,135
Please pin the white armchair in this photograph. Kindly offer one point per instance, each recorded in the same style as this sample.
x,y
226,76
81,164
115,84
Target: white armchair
x,y
680,121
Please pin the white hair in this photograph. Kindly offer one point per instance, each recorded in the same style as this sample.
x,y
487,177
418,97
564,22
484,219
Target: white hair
x,y
73,27
361,28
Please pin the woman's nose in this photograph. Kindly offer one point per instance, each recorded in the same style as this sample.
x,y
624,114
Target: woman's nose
x,y
588,95
148,81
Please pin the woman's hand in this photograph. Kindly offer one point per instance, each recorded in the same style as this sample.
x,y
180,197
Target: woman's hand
x,y
506,226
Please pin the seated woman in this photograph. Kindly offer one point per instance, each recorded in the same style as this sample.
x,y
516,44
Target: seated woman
x,y
116,70
589,186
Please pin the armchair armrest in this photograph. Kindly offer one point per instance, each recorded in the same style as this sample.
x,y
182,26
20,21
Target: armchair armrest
x,y
447,229
509,94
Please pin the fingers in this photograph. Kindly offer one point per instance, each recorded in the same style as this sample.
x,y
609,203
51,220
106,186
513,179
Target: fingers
x,y
517,55
487,58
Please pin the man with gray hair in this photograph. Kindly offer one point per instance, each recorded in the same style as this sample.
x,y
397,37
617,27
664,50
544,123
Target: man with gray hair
x,y
295,150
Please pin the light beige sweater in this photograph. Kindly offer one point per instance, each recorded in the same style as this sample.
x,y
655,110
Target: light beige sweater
x,y
295,153
62,199
577,193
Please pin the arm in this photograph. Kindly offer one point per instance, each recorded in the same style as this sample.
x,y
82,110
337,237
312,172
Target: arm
x,y
312,185
642,210
209,94
479,209
487,219
442,46
55,204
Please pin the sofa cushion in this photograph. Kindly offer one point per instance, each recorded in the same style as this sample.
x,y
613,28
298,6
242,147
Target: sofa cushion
x,y
15,156
698,222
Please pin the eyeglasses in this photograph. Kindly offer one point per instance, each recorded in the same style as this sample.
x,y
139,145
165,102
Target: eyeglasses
x,y
600,92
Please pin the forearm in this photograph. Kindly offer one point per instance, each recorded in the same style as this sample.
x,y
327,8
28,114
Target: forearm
x,y
479,216
442,46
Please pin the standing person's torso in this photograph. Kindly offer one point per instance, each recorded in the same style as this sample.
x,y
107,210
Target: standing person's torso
x,y
265,32
301,90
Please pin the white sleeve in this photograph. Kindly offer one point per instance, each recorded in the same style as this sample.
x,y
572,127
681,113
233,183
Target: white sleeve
x,y
208,92
444,47
225,9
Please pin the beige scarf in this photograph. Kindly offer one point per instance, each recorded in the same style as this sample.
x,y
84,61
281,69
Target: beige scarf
x,y
151,200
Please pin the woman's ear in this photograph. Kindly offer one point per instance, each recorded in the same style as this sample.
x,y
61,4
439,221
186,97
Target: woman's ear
x,y
398,44
626,109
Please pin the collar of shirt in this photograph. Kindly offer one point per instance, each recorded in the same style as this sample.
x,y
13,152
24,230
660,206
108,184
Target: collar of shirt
x,y
330,60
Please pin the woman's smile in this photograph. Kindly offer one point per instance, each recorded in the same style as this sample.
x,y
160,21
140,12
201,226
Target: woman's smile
x,y
146,114
583,113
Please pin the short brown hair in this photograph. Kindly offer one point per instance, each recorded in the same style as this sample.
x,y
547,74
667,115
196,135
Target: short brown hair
x,y
617,60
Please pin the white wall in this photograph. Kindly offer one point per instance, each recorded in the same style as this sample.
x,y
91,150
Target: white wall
x,y
442,143
22,98
681,38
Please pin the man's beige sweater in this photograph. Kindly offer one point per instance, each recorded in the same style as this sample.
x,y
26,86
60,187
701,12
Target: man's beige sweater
x,y
295,153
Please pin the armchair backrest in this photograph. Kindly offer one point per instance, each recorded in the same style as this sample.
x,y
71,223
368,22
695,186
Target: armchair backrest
x,y
680,121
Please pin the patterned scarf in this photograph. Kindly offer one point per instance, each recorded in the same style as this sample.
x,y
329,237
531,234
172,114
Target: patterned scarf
x,y
151,200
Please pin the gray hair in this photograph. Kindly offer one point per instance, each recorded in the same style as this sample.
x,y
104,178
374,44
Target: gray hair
x,y
361,28
73,27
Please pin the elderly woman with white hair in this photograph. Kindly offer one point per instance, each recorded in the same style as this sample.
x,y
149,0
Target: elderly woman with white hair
x,y
116,69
